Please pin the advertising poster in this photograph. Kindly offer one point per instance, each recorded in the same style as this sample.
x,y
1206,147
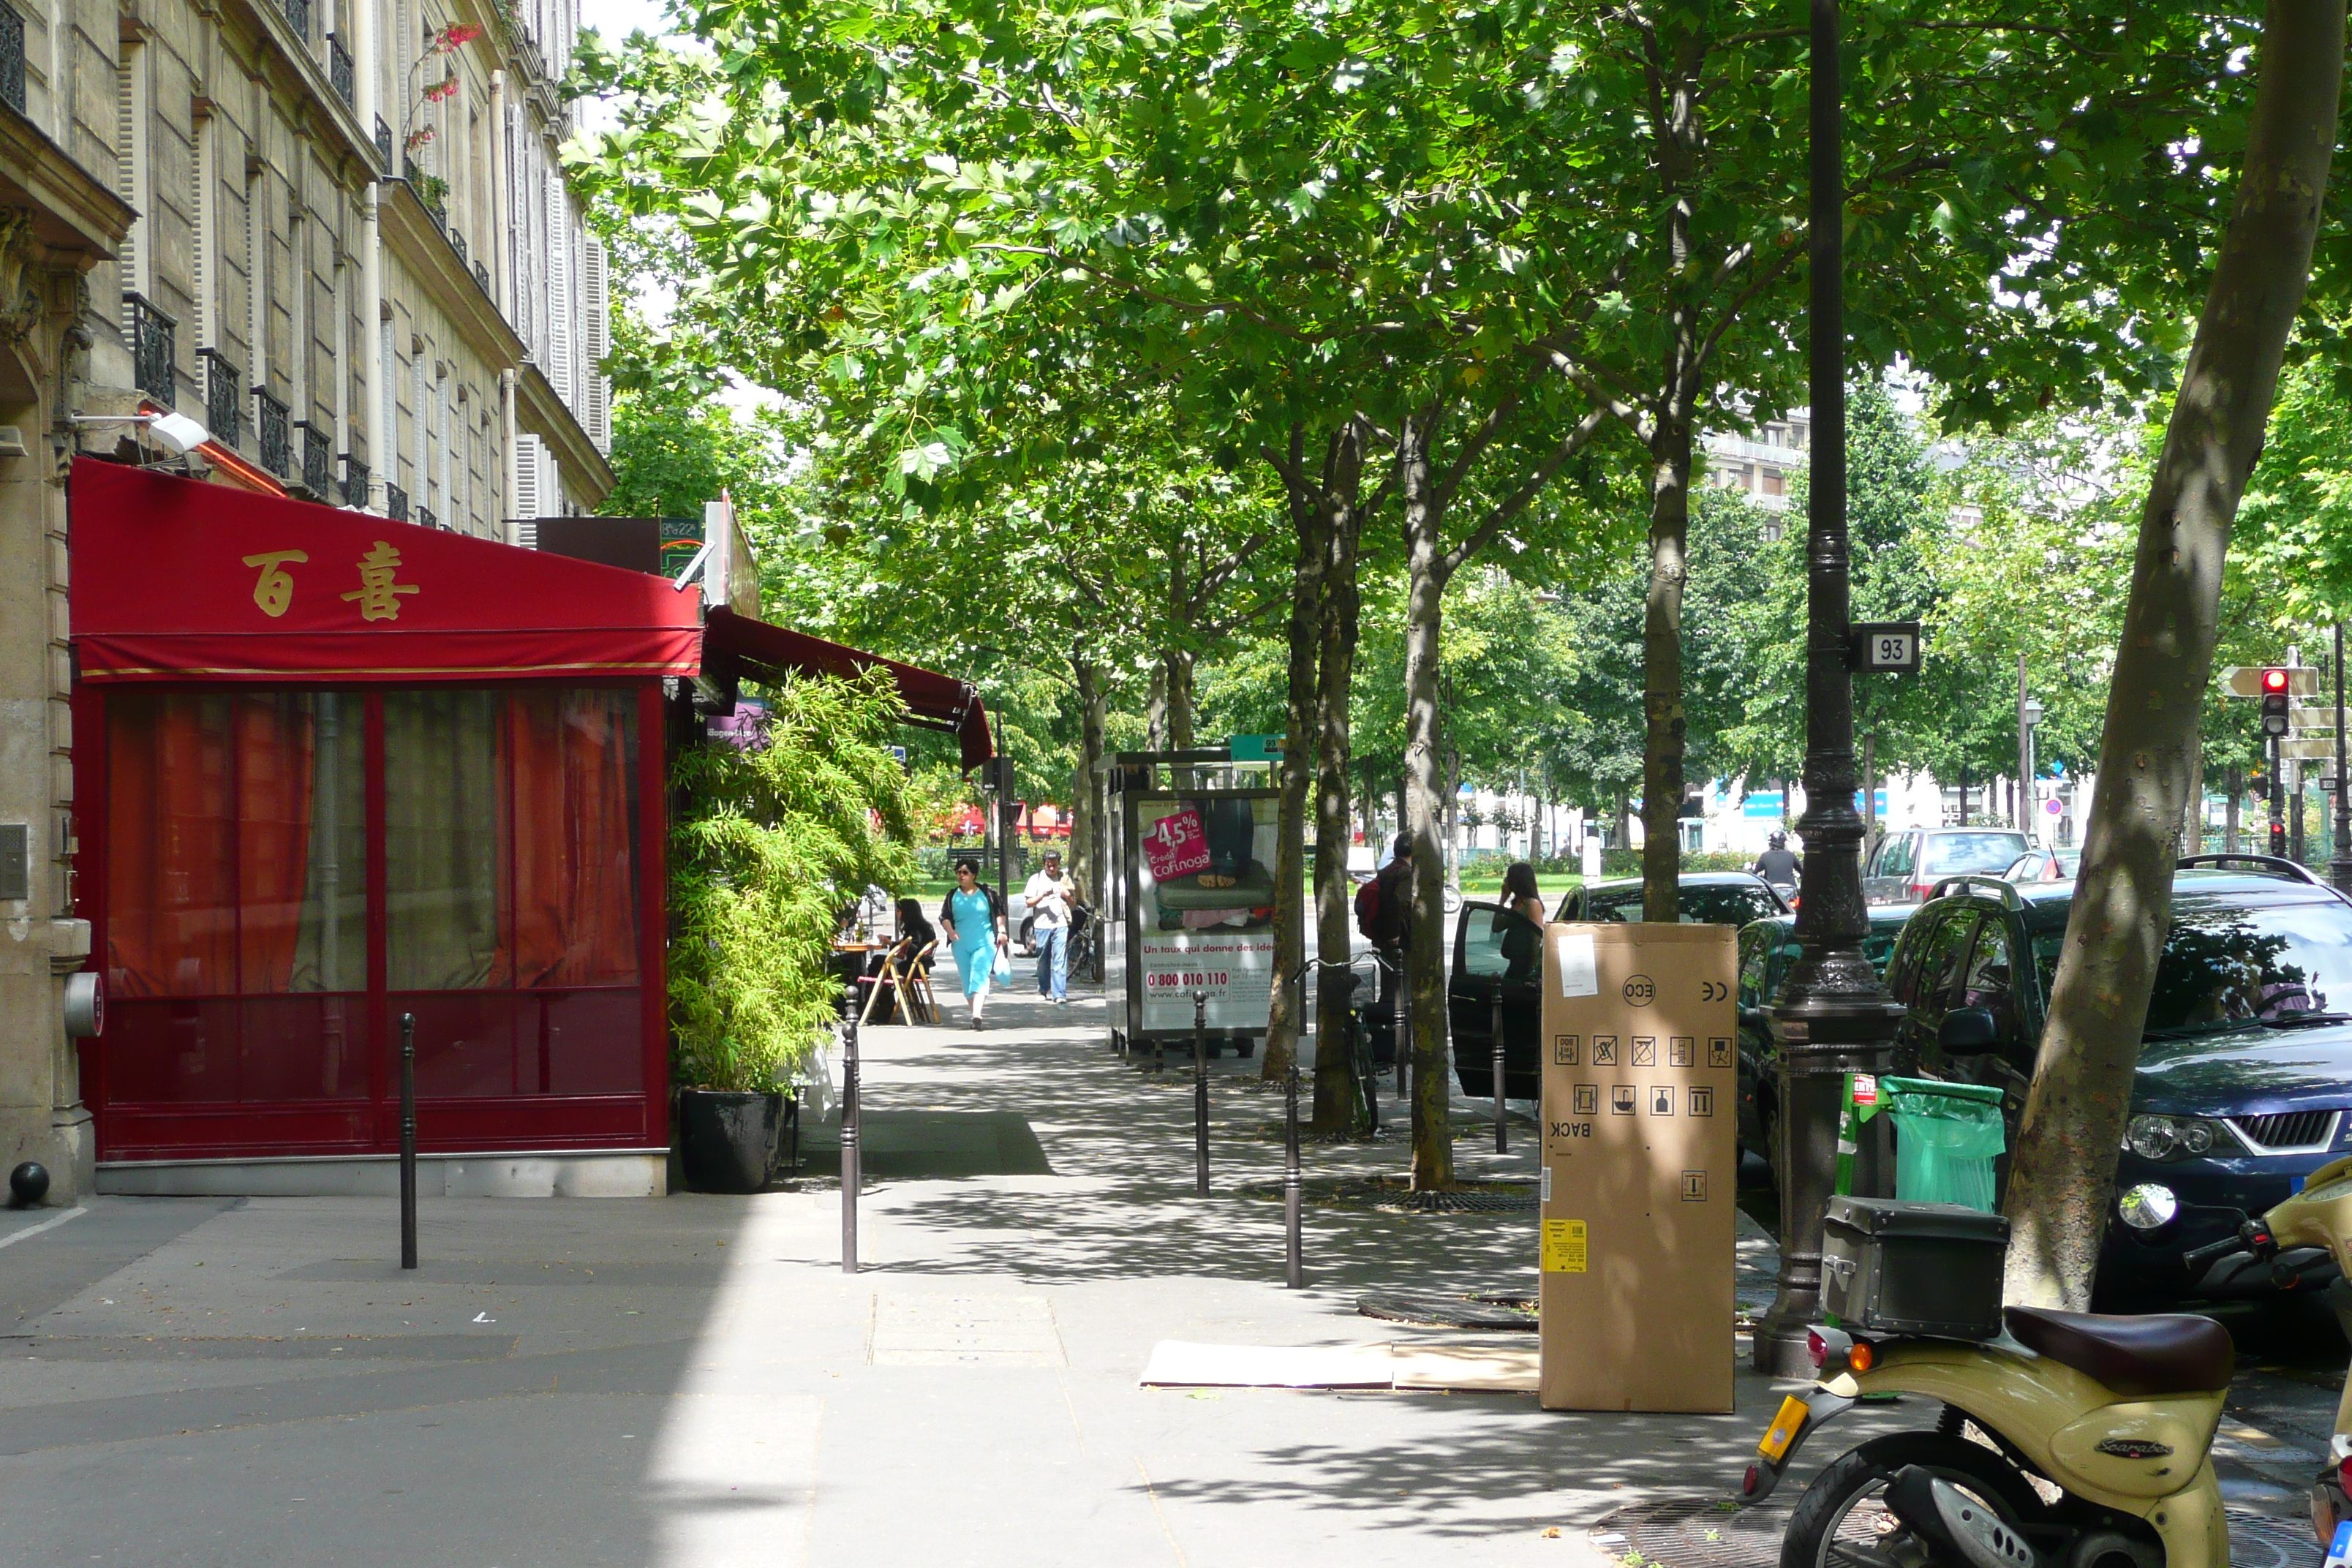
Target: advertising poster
x,y
1204,893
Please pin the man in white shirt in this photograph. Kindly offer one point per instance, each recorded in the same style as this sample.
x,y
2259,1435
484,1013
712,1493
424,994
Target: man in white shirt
x,y
1051,897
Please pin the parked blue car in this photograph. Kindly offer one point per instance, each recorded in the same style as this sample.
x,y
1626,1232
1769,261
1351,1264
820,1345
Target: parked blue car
x,y
2245,1071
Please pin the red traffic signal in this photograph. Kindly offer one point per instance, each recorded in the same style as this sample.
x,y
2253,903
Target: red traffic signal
x,y
2276,721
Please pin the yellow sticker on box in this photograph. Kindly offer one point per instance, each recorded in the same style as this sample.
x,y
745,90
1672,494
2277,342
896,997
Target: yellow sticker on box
x,y
1563,1247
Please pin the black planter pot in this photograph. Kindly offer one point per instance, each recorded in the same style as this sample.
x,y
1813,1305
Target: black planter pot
x,y
727,1139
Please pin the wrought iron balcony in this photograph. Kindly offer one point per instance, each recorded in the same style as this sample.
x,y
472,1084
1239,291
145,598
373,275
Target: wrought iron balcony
x,y
12,58
318,460
154,350
298,17
424,517
338,70
384,141
482,277
355,481
272,432
458,243
224,398
395,502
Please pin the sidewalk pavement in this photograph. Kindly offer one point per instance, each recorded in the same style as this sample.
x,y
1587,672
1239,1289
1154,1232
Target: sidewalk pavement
x,y
694,1382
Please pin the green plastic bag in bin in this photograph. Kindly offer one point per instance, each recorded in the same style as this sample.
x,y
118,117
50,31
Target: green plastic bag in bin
x,y
1946,1137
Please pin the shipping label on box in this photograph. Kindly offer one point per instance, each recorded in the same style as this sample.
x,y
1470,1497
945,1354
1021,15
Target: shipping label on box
x,y
1640,1166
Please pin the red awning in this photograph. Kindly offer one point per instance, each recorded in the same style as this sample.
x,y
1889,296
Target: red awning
x,y
176,580
764,652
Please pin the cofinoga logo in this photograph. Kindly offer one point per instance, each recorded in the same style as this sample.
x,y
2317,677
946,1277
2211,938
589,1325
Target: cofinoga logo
x,y
1641,990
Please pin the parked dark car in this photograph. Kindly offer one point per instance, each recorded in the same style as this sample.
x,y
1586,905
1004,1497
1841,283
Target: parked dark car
x,y
1485,953
1767,948
1909,862
2245,1067
1703,897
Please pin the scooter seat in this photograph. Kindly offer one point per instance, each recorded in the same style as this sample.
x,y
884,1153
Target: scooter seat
x,y
2137,1357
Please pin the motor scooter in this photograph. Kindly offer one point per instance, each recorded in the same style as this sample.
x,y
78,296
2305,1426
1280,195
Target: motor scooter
x,y
2094,1431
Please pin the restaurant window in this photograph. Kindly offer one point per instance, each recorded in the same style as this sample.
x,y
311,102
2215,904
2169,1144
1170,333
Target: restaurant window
x,y
237,905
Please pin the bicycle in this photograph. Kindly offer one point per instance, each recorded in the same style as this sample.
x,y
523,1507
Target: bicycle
x,y
1086,949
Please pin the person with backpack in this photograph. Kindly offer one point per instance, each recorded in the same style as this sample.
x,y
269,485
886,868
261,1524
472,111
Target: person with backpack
x,y
1384,914
973,918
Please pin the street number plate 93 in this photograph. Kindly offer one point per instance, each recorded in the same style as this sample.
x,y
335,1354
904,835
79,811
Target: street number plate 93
x,y
1785,1426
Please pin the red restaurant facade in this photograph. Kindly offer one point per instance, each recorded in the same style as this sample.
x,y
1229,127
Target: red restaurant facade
x,y
334,768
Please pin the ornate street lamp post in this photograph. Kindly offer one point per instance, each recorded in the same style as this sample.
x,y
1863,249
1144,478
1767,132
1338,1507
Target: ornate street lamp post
x,y
1832,1017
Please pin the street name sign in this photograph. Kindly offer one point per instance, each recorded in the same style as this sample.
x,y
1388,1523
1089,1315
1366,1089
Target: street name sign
x,y
2246,680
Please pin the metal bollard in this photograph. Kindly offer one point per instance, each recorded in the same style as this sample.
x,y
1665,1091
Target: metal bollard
x,y
408,1140
1294,1247
1200,1092
851,1174
1403,1024
1502,1129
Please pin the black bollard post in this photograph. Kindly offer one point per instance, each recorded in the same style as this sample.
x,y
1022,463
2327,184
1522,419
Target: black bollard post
x,y
408,1140
1501,1128
851,1174
1200,1092
1294,1247
1402,1026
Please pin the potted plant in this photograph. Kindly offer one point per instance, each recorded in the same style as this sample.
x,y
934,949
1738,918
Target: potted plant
x,y
772,836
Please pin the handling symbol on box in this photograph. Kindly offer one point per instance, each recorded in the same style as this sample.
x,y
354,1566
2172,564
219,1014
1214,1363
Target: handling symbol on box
x,y
1587,1099
1682,1051
1645,1051
1620,1099
1702,1100
1563,1050
1718,1051
1693,1186
1662,1100
1604,1050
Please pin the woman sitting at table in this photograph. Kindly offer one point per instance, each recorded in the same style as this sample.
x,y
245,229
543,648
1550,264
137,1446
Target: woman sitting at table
x,y
916,934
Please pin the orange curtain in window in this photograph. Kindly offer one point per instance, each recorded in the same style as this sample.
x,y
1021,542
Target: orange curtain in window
x,y
575,901
275,744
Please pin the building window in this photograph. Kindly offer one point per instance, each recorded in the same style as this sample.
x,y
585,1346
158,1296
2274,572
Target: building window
x,y
1774,482
12,59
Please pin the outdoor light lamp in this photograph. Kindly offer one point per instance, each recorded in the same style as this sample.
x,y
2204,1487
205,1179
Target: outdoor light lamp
x,y
175,433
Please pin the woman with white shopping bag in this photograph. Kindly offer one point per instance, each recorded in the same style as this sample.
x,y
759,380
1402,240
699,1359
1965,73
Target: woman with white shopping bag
x,y
973,918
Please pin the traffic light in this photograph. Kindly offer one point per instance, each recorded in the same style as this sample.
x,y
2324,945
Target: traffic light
x,y
2275,722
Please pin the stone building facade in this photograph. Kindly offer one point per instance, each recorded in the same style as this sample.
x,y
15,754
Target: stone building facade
x,y
333,232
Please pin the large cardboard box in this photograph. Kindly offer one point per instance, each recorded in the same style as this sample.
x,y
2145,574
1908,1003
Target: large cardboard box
x,y
1640,1166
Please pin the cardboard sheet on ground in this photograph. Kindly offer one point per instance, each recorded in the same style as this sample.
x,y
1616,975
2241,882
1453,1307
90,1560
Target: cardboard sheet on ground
x,y
1508,1368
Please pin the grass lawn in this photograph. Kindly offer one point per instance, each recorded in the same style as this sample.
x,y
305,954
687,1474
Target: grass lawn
x,y
1488,884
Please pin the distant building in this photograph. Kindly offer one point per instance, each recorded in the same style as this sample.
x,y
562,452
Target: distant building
x,y
1761,465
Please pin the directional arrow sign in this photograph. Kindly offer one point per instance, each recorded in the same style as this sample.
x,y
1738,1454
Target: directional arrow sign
x,y
2246,680
2312,718
2311,749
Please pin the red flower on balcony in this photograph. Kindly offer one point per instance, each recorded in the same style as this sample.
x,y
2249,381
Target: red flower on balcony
x,y
455,38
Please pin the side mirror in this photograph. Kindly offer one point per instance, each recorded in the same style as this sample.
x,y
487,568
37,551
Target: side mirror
x,y
1967,1029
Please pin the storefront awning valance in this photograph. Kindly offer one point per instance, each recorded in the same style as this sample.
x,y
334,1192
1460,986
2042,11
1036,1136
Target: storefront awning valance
x,y
178,580
762,651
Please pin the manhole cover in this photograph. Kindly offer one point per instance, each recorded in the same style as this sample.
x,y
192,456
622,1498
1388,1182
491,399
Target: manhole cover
x,y
1516,1313
1712,1533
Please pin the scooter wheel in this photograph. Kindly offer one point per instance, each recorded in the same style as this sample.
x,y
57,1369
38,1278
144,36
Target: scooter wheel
x,y
1835,1523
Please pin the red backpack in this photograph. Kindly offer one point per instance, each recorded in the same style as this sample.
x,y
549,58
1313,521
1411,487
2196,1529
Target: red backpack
x,y
1368,909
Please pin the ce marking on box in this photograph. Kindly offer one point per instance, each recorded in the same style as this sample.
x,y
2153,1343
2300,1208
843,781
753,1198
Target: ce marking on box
x,y
1714,991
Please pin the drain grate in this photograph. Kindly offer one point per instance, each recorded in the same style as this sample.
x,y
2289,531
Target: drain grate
x,y
1710,1533
911,1328
1383,1193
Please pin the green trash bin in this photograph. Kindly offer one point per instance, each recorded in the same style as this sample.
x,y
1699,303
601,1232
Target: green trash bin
x,y
1946,1137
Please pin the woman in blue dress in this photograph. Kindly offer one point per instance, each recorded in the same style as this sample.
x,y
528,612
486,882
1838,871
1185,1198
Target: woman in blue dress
x,y
974,921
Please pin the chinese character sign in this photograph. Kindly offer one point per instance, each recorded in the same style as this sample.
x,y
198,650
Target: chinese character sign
x,y
1176,846
378,594
273,591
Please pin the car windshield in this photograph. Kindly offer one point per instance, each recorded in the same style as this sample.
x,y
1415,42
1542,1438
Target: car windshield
x,y
1950,853
1716,905
2225,964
